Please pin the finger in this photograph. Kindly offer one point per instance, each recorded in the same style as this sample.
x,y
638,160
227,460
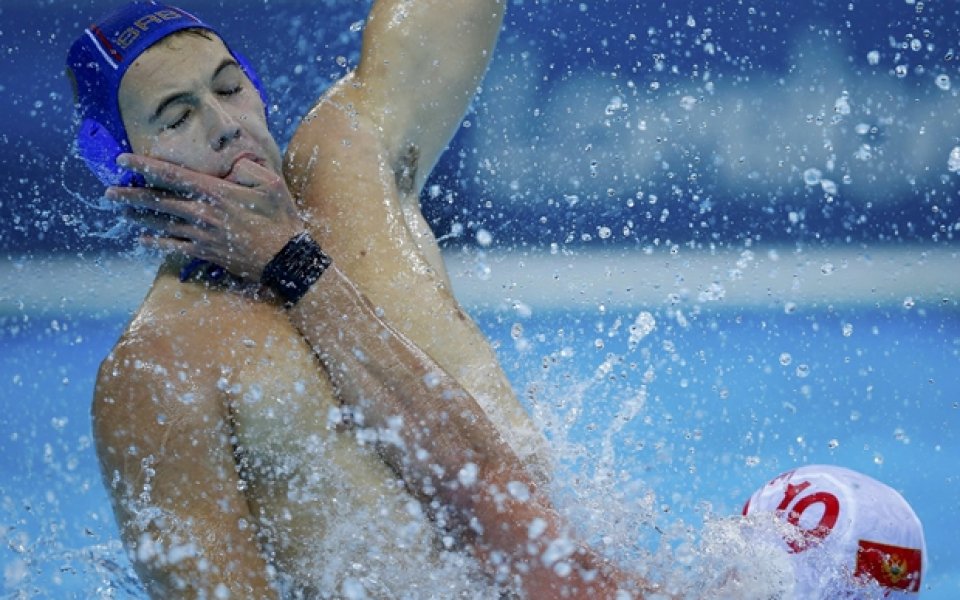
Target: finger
x,y
172,206
140,196
169,244
178,229
249,173
176,178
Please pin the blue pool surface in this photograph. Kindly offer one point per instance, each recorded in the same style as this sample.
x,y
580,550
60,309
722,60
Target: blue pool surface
x,y
733,397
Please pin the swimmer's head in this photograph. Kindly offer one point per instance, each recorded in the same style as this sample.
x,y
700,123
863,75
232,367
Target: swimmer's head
x,y
847,535
156,80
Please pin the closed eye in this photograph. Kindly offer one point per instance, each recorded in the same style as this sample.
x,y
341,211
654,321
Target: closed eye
x,y
232,91
183,119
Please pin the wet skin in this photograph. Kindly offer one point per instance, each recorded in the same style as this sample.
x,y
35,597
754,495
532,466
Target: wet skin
x,y
209,375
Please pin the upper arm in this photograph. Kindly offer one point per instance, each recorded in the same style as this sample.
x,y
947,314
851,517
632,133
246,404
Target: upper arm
x,y
420,65
167,461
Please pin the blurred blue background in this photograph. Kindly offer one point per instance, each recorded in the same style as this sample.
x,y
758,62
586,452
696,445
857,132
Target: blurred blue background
x,y
775,182
700,122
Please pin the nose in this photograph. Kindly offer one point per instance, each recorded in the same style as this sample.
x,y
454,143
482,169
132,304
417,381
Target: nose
x,y
224,127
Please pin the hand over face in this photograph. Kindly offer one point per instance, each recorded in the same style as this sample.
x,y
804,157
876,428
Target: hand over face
x,y
239,222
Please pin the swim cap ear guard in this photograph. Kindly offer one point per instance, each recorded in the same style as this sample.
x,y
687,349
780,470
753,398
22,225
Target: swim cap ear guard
x,y
97,62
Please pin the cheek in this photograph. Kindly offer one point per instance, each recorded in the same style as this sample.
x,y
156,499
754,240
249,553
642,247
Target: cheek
x,y
166,151
185,151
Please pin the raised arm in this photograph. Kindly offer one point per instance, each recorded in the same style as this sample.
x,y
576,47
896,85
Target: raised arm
x,y
167,463
420,66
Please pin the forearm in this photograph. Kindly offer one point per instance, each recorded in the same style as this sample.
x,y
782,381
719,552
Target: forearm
x,y
444,446
393,385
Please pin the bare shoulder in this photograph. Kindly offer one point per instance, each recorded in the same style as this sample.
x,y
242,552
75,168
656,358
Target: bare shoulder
x,y
167,363
158,395
151,377
336,132
163,437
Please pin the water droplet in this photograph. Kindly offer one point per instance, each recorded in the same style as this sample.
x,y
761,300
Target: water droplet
x,y
833,444
943,82
953,162
829,187
432,379
847,329
482,271
604,232
785,358
803,370
842,105
901,436
356,26
873,57
812,176
615,105
536,528
519,490
484,238
909,302
468,475
827,268
641,328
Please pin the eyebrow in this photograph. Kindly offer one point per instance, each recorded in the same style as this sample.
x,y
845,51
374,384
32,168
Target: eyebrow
x,y
181,96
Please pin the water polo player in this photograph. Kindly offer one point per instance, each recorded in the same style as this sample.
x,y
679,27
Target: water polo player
x,y
233,466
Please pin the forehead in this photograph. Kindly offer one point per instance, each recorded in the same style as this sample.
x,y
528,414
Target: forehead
x,y
175,63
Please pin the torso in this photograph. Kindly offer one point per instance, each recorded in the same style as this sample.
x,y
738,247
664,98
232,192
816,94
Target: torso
x,y
332,513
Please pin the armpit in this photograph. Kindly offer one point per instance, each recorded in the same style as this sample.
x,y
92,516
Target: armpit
x,y
405,170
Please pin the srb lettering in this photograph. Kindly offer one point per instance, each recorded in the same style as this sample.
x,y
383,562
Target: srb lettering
x,y
130,34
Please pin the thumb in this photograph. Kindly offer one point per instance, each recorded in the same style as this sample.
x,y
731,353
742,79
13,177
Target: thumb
x,y
249,174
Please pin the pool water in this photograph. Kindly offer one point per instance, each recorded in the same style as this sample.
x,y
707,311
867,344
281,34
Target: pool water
x,y
672,415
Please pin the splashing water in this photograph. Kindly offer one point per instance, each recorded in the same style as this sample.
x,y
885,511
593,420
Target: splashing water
x,y
953,161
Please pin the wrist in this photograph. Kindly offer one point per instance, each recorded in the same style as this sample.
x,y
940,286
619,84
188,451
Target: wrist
x,y
294,269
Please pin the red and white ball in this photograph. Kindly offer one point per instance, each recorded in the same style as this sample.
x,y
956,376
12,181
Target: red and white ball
x,y
850,536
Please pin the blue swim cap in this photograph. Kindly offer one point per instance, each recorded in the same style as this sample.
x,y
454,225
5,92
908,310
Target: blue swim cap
x,y
97,62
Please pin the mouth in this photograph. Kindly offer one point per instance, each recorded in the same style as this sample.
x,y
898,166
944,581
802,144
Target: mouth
x,y
245,155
